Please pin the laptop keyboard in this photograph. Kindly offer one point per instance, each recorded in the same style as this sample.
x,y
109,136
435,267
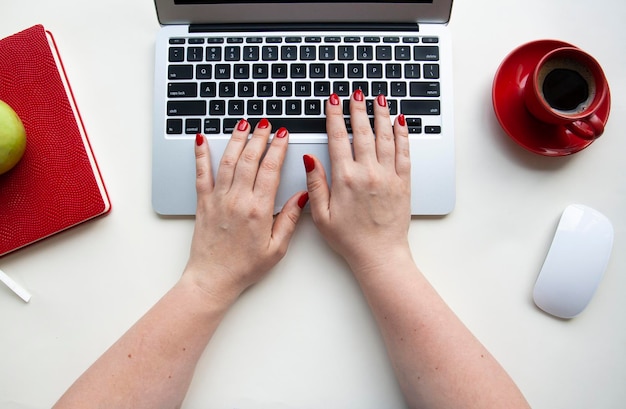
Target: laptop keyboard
x,y
213,81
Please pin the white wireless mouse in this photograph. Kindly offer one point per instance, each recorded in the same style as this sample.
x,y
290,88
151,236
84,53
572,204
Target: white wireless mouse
x,y
575,263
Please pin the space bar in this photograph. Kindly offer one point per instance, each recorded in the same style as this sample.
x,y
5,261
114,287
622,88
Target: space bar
x,y
295,125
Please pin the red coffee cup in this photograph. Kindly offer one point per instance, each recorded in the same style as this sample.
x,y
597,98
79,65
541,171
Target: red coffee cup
x,y
566,87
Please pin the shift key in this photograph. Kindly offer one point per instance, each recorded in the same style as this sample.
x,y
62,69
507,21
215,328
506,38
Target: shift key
x,y
420,107
181,108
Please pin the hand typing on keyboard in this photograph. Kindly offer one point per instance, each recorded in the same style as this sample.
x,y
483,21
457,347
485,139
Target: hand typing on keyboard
x,y
364,215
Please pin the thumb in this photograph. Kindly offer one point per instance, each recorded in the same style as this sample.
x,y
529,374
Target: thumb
x,y
317,185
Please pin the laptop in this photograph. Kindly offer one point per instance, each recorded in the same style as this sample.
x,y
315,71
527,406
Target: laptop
x,y
219,61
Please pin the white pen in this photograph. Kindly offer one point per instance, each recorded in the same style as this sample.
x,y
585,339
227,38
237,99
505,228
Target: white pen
x,y
17,289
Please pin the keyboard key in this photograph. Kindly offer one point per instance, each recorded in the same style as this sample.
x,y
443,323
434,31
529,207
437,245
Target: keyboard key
x,y
379,88
431,71
279,70
203,72
365,52
229,125
255,107
269,53
182,90
184,108
317,71
289,52
420,107
226,89
430,40
403,52
412,71
298,125
195,54
298,71
260,71
293,39
193,126
177,41
274,107
374,70
180,72
432,129
336,71
265,89
234,40
236,107
352,39
327,52
214,53
308,52
232,53
312,107
414,125
212,126
222,72
293,107
241,71
341,88
176,54
303,89
424,89
283,89
346,52
208,89
362,85
313,39
426,53
245,89
355,70
410,40
321,88
174,126
383,52
254,40
398,89
393,70
217,107
251,53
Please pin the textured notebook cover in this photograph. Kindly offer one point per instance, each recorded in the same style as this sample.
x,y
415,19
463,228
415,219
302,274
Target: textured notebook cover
x,y
57,183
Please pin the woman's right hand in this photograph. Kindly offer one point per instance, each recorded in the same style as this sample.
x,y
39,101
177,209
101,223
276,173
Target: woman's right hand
x,y
365,213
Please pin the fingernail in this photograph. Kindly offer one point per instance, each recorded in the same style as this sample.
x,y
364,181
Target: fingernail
x,y
263,123
242,125
358,95
401,120
302,201
199,139
281,133
382,101
334,99
309,163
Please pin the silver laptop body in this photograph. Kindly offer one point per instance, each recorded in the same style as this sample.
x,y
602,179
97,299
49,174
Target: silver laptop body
x,y
220,61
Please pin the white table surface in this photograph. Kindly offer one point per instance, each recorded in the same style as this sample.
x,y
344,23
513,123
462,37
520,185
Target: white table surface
x,y
304,337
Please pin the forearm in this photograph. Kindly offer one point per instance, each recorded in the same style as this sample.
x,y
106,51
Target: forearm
x,y
437,361
151,366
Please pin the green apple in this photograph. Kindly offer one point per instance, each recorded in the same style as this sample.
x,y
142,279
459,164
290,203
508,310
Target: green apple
x,y
12,138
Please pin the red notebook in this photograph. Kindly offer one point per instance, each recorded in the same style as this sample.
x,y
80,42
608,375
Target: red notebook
x,y
57,184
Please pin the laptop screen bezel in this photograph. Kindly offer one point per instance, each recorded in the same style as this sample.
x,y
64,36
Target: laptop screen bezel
x,y
435,11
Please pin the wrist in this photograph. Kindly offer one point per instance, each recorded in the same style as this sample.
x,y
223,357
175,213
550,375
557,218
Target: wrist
x,y
207,290
377,261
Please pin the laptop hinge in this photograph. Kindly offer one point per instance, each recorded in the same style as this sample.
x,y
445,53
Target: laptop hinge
x,y
208,28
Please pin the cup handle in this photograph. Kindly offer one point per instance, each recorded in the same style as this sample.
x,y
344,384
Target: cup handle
x,y
588,128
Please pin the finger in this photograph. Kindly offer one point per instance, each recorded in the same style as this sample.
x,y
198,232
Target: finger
x,y
403,157
204,174
286,221
362,134
268,176
385,146
317,186
339,147
230,157
248,164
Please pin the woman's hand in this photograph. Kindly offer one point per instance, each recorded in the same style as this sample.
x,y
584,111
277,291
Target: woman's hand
x,y
365,214
236,238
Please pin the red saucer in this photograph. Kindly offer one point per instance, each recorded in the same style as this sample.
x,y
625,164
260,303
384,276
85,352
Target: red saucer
x,y
517,122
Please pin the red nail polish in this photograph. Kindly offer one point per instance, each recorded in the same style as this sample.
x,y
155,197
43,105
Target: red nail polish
x,y
263,123
281,133
334,99
401,120
242,125
302,201
358,95
309,163
382,101
199,139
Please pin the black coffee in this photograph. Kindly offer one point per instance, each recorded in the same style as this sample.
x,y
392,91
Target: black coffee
x,y
565,89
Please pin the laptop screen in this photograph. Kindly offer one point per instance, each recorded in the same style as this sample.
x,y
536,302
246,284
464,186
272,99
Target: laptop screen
x,y
302,11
